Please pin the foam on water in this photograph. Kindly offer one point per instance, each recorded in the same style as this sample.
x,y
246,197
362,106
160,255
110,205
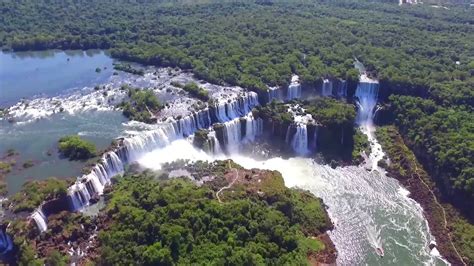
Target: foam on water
x,y
294,89
327,87
357,200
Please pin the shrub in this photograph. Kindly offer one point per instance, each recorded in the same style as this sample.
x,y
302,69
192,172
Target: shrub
x,y
194,90
75,148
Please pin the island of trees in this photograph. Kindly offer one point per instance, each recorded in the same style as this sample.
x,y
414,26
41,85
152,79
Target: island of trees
x,y
423,57
151,219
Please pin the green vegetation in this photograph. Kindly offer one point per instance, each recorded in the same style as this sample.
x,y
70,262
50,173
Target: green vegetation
x,y
361,145
32,248
252,44
404,166
33,193
76,148
330,112
5,167
275,111
28,164
463,235
194,90
201,139
420,51
128,68
443,140
176,222
142,105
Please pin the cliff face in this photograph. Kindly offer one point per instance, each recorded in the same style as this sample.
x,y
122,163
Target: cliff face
x,y
446,224
321,125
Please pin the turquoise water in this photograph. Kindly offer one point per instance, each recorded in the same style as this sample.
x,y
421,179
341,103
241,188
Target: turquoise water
x,y
49,73
33,141
45,74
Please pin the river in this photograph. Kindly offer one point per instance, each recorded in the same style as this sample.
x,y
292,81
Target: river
x,y
30,76
368,208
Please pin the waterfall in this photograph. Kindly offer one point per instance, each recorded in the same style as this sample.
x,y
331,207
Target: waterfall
x,y
40,219
232,135
341,90
327,88
6,243
366,93
88,187
299,142
274,93
253,127
112,163
214,146
149,140
236,131
294,90
314,145
224,111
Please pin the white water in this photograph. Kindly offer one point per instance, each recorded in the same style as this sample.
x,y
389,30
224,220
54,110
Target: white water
x,y
341,90
368,208
158,136
274,93
40,219
327,88
234,135
294,89
366,93
357,200
300,140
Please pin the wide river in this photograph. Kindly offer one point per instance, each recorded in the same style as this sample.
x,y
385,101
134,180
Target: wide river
x,y
368,208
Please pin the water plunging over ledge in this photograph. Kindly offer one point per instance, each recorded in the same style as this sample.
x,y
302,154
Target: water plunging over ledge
x,y
368,208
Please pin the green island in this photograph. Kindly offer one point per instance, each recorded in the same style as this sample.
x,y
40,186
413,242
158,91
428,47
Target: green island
x,y
332,119
76,148
150,219
422,54
128,68
194,90
35,192
320,39
142,105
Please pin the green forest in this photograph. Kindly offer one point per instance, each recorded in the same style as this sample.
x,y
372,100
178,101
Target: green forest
x,y
421,52
175,222
150,219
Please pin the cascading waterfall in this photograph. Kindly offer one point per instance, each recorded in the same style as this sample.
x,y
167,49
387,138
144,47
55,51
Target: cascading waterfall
x,y
274,93
112,163
299,141
366,93
327,87
341,90
215,147
294,90
253,127
232,135
228,110
368,208
6,243
235,131
40,219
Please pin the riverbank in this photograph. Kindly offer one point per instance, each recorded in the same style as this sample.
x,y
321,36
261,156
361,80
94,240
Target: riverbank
x,y
403,166
256,210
